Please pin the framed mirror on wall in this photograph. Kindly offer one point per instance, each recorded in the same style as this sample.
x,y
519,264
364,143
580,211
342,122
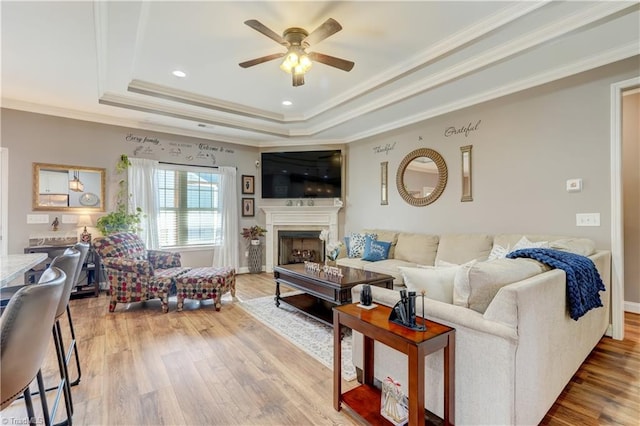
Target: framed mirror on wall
x,y
421,177
384,192
58,187
466,173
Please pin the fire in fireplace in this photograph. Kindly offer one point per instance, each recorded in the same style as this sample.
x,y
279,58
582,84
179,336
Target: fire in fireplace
x,y
299,246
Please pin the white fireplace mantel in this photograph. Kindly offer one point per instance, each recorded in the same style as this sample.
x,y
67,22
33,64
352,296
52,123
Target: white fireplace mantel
x,y
296,218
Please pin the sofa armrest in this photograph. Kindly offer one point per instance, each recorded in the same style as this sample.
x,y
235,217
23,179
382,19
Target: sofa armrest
x,y
160,259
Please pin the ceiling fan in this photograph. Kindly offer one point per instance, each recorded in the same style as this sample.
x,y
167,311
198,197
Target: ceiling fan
x,y
297,61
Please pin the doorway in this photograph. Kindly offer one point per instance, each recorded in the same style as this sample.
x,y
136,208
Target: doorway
x,y
617,205
4,201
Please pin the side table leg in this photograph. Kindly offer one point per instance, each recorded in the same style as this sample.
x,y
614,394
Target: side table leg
x,y
416,385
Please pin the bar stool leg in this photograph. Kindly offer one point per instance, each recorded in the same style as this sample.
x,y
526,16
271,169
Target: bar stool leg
x,y
74,345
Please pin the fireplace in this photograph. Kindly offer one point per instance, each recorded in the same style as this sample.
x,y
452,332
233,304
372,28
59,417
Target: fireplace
x,y
296,218
298,246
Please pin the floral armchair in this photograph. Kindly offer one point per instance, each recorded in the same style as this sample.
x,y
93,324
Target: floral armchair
x,y
136,274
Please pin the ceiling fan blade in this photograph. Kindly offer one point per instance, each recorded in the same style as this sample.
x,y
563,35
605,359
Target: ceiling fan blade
x,y
330,27
260,60
332,61
261,28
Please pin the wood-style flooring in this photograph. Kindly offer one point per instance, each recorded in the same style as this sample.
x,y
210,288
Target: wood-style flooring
x,y
202,367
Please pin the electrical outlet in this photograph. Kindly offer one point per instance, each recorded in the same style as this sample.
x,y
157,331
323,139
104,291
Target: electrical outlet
x,y
246,253
587,219
69,218
37,218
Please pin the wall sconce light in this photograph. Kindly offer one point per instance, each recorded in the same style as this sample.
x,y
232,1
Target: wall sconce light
x,y
74,184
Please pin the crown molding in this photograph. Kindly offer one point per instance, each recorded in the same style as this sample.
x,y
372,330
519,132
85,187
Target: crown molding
x,y
189,98
616,54
170,111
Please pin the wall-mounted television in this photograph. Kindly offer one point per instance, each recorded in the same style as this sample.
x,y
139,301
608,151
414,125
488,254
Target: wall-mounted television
x,y
311,174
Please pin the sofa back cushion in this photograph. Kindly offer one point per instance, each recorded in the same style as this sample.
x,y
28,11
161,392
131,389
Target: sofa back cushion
x,y
476,283
581,246
462,248
416,248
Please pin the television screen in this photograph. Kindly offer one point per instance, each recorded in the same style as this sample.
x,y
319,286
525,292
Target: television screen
x,y
315,174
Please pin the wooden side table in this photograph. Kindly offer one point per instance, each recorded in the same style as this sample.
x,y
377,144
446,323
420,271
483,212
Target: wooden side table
x,y
374,324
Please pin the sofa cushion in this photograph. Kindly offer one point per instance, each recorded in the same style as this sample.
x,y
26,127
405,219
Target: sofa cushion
x,y
375,251
355,243
525,243
352,262
581,246
462,248
389,267
436,282
416,248
476,283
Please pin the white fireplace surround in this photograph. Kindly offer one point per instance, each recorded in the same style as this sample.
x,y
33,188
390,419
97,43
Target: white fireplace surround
x,y
302,218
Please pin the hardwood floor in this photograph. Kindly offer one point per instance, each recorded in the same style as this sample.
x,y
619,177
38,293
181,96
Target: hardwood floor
x,y
199,366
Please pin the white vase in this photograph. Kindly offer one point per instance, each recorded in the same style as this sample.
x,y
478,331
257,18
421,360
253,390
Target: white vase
x,y
255,242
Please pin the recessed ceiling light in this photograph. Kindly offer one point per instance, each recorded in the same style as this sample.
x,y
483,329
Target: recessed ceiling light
x,y
287,103
179,73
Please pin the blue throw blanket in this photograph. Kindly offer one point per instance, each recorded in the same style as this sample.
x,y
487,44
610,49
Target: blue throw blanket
x,y
583,280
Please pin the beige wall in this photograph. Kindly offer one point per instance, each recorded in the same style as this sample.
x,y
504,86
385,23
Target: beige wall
x,y
631,195
47,139
525,148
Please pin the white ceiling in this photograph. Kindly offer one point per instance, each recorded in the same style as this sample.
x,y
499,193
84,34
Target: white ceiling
x,y
112,62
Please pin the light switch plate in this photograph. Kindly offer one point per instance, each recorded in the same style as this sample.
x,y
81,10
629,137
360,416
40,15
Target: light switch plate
x,y
69,218
37,218
588,219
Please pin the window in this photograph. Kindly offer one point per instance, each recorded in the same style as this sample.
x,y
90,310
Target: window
x,y
189,204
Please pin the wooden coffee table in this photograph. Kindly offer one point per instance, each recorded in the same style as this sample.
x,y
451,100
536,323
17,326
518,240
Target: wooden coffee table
x,y
321,292
374,324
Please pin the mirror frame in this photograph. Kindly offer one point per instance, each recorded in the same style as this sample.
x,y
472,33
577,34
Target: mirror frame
x,y
46,166
442,176
467,190
384,195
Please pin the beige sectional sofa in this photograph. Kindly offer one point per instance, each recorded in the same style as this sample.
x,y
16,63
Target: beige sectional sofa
x,y
516,345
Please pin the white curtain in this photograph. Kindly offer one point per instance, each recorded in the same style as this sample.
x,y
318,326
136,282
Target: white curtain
x,y
227,254
143,190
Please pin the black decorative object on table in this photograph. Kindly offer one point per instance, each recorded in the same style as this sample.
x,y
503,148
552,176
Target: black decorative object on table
x,y
365,296
404,312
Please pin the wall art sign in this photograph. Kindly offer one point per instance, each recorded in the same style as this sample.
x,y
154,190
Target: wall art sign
x,y
183,152
464,130
380,149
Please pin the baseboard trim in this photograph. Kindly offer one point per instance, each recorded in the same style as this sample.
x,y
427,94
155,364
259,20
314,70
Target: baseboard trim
x,y
633,307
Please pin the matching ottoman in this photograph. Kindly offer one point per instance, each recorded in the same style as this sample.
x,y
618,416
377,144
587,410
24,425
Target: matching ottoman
x,y
206,283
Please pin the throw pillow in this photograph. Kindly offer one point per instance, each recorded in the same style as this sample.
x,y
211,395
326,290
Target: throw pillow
x,y
498,252
524,243
436,282
476,283
375,250
356,244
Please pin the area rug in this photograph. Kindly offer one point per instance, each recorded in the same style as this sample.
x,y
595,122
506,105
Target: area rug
x,y
310,335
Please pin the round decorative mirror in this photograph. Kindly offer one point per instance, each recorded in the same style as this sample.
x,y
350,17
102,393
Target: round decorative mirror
x,y
422,176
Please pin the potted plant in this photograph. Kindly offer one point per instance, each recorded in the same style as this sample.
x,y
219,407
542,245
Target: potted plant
x,y
253,234
120,220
